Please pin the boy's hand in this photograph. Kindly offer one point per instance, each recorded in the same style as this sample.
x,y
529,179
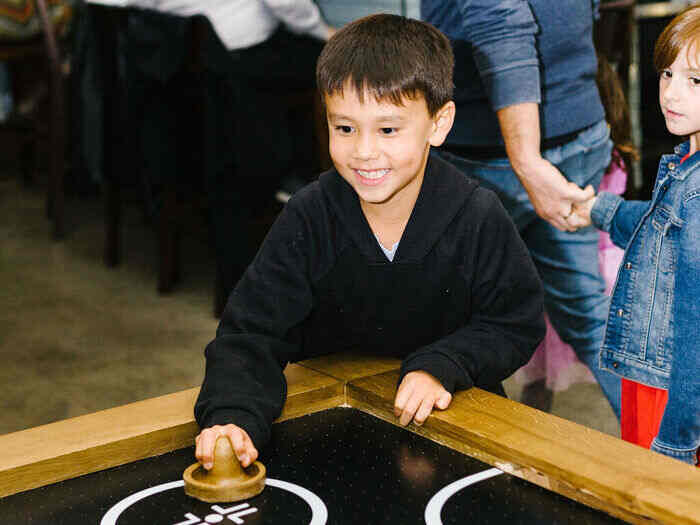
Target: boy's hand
x,y
240,442
581,213
418,393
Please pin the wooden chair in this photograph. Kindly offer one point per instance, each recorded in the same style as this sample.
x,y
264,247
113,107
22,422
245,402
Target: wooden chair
x,y
45,45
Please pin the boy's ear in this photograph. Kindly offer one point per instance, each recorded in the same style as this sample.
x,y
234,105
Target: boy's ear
x,y
442,123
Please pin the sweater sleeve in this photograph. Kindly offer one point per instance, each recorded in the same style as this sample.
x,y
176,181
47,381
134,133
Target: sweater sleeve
x,y
507,308
244,382
502,36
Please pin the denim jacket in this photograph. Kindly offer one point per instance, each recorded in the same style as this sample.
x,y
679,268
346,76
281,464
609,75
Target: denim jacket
x,y
653,331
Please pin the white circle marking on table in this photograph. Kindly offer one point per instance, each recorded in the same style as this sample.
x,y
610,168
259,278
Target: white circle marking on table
x,y
434,507
319,512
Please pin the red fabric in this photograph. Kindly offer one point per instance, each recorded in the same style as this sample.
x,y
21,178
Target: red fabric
x,y
642,408
641,412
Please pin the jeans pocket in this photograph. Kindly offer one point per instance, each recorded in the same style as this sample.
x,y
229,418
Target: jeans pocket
x,y
584,160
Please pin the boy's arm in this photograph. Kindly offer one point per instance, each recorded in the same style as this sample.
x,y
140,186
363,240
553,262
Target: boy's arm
x,y
507,309
243,382
679,433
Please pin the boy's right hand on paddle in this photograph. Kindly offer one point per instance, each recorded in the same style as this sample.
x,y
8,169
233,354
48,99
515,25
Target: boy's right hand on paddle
x,y
240,442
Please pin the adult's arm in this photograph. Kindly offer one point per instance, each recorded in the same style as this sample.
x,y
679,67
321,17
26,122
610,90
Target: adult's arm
x,y
502,35
679,433
507,321
551,194
243,382
301,16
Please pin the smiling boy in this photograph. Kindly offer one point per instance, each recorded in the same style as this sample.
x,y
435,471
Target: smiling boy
x,y
394,252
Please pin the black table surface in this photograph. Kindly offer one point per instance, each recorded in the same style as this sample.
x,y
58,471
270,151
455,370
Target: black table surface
x,y
355,468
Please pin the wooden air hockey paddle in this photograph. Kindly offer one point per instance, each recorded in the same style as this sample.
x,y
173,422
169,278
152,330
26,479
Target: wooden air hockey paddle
x,y
227,480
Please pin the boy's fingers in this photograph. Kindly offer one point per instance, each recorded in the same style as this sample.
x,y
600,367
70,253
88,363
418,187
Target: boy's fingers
x,y
252,451
239,447
402,397
409,410
444,400
243,447
426,407
205,448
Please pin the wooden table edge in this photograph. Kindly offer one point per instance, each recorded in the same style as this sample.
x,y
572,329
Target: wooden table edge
x,y
173,427
638,497
80,445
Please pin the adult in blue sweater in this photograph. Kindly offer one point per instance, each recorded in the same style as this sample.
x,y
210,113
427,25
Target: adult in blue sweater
x,y
530,125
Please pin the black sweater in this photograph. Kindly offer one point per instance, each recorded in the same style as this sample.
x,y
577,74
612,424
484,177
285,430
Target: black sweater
x,y
461,300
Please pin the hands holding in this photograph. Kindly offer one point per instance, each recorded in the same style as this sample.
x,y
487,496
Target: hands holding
x,y
240,442
563,204
583,211
416,396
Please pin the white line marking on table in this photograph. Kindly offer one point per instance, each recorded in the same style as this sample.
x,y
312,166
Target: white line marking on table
x,y
319,512
434,507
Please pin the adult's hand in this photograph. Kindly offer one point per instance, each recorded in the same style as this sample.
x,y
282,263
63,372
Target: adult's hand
x,y
240,442
553,197
551,194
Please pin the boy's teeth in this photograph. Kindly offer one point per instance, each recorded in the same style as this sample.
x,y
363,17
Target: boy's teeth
x,y
374,174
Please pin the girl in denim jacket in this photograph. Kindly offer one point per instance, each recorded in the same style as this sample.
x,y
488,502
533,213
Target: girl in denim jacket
x,y
652,337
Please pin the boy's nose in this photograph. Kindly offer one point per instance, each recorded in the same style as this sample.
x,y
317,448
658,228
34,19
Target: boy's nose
x,y
365,146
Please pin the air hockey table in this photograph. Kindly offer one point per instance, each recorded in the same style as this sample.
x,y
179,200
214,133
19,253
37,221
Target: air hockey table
x,y
337,456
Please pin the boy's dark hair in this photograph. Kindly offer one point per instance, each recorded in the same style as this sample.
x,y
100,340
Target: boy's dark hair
x,y
683,30
389,57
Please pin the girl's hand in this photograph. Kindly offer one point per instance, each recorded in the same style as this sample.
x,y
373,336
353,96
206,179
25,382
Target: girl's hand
x,y
581,213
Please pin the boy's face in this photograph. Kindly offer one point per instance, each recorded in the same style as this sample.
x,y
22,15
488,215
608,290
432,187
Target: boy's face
x,y
381,149
679,97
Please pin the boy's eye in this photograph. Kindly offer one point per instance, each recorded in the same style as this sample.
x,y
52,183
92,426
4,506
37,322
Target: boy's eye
x,y
695,81
388,131
666,74
344,129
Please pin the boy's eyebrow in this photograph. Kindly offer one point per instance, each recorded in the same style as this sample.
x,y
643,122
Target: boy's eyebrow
x,y
391,118
379,118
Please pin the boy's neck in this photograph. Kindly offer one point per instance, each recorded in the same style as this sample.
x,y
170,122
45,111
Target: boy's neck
x,y
388,219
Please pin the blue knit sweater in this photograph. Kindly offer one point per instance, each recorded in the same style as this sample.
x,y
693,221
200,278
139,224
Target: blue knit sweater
x,y
513,51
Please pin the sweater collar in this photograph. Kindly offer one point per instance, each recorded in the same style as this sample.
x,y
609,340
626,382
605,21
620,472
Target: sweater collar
x,y
443,193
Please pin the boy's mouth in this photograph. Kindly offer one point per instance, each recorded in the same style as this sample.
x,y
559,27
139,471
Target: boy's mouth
x,y
672,113
371,176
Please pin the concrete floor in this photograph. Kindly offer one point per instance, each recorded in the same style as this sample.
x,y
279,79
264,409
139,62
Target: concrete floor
x,y
76,336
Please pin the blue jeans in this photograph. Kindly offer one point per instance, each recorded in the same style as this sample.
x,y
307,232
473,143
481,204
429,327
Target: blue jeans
x,y
575,297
